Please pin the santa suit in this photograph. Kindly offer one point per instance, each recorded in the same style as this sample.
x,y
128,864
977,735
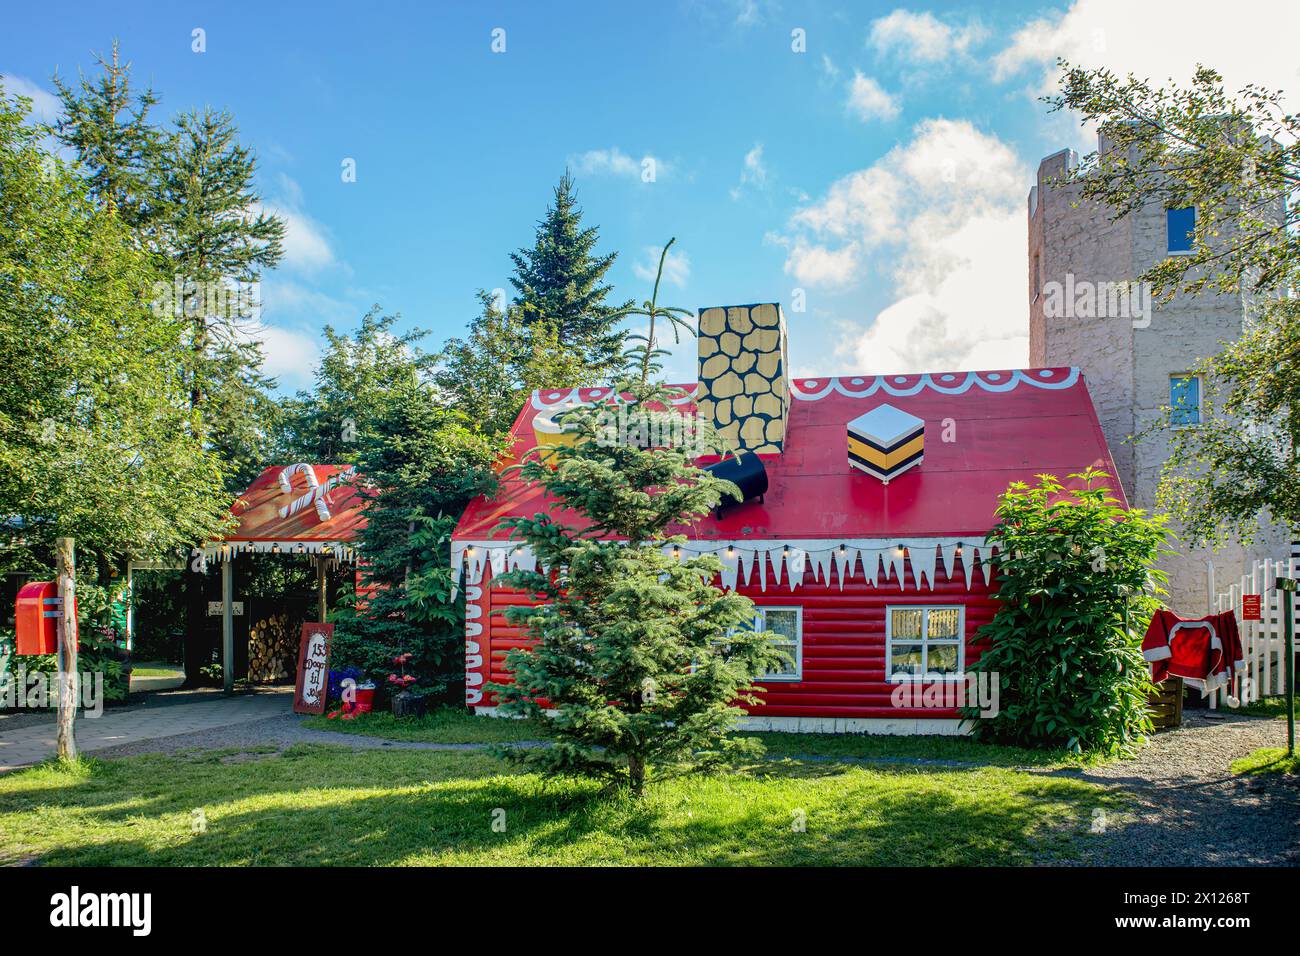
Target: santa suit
x,y
1205,652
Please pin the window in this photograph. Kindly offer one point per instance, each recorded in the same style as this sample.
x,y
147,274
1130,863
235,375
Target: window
x,y
924,643
785,627
1180,224
1037,277
1184,400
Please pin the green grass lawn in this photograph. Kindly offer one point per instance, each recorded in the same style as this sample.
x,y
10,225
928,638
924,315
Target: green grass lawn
x,y
157,670
1264,707
325,805
455,726
1267,760
448,725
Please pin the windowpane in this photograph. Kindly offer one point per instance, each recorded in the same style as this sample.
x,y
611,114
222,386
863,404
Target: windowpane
x,y
905,659
784,622
907,623
1180,224
943,659
943,622
781,625
925,643
788,667
1184,400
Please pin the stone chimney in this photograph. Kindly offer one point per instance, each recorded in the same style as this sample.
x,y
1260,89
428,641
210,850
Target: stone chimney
x,y
743,367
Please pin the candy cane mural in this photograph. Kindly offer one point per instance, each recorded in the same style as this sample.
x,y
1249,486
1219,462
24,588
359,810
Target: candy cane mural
x,y
475,638
317,494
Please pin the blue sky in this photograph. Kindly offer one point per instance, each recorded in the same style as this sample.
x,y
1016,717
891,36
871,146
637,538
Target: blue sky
x,y
881,172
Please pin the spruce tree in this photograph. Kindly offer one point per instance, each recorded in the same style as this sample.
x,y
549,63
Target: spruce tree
x,y
640,656
214,233
106,124
560,282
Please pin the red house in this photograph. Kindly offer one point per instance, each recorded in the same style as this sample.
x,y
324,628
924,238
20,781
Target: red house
x,y
867,553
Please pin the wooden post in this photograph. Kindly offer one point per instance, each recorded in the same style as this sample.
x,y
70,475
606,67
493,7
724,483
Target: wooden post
x,y
1287,586
322,588
66,565
227,626
130,606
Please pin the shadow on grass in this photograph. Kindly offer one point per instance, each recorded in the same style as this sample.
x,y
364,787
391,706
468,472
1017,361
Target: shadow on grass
x,y
321,806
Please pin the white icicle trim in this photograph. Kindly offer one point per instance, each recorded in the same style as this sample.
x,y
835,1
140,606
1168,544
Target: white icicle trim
x,y
215,550
883,559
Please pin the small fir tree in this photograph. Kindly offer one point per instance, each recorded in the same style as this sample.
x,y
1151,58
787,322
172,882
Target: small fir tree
x,y
646,357
560,282
641,658
1077,585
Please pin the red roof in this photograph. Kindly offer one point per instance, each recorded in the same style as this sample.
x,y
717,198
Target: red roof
x,y
258,509
1003,426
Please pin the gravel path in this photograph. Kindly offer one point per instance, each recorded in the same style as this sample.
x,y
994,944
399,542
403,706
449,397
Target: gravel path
x,y
1185,808
1188,809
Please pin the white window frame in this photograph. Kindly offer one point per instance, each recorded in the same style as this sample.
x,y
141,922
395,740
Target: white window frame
x,y
760,612
1200,399
925,643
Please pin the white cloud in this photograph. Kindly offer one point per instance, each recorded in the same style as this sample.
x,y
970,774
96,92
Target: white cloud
x,y
615,162
753,172
46,107
922,37
677,266
820,265
307,245
946,208
747,13
1251,42
868,100
291,355
829,69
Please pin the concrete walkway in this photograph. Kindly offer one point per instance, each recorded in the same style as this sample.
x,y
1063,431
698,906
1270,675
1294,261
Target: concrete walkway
x,y
31,744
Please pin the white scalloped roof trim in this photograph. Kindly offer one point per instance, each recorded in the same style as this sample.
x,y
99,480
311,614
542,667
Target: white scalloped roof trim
x,y
860,386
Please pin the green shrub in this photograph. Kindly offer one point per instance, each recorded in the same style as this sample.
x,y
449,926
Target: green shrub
x,y
1076,580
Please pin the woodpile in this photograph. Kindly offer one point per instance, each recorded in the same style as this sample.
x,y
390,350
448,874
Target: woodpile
x,y
1166,704
273,648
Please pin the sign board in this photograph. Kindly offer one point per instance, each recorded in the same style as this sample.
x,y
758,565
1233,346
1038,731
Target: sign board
x,y
1250,607
236,608
313,668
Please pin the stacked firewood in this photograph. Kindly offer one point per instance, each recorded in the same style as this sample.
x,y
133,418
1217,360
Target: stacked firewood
x,y
273,648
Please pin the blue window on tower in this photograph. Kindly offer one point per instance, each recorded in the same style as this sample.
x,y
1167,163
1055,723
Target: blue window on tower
x,y
1184,400
1180,224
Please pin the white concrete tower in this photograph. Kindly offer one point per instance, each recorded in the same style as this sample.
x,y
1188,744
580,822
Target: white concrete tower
x,y
1085,309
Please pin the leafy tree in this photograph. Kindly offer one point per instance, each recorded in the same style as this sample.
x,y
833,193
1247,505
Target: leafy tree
x,y
420,462
641,656
560,282
1076,584
93,442
105,122
1236,159
1243,459
489,375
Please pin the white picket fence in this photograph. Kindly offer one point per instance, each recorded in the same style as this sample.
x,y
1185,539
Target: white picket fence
x,y
1263,642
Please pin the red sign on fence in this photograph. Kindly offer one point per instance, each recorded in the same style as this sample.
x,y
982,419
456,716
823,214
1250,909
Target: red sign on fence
x,y
313,668
1250,610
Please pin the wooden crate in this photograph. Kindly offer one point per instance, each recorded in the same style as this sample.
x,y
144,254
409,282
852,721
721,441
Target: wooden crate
x,y
1166,704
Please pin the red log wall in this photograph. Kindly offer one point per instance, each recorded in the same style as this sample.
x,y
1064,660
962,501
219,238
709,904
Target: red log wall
x,y
843,639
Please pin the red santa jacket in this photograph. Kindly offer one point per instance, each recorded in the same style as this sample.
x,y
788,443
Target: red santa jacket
x,y
1206,652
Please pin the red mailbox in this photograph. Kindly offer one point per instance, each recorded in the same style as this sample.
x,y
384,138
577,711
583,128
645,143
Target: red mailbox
x,y
36,614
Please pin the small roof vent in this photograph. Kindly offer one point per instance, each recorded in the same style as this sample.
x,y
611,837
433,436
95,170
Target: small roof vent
x,y
885,442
